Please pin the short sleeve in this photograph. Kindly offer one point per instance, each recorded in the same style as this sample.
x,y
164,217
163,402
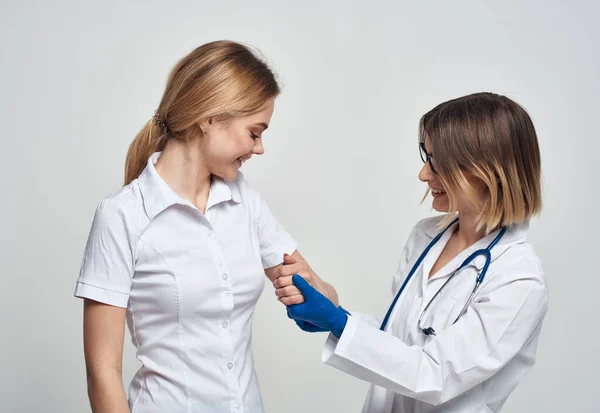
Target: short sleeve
x,y
107,267
274,240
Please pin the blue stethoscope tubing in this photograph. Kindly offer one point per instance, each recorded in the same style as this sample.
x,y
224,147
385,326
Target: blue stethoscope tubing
x,y
484,251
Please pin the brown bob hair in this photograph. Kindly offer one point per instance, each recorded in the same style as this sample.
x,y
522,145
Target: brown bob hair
x,y
492,138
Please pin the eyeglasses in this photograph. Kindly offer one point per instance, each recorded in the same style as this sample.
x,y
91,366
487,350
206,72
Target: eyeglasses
x,y
425,157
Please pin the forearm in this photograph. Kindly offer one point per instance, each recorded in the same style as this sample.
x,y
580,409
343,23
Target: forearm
x,y
327,290
106,393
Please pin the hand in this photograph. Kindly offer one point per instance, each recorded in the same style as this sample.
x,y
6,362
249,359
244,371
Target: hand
x,y
308,327
317,309
288,294
285,290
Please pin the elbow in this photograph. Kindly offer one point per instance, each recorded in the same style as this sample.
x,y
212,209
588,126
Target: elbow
x,y
438,401
434,398
98,374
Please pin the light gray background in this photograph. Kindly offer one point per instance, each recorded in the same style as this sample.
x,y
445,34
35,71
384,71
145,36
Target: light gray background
x,y
79,79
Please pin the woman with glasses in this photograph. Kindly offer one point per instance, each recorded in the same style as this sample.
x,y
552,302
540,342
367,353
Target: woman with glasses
x,y
469,295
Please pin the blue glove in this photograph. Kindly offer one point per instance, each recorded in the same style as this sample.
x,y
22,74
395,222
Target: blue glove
x,y
308,327
317,309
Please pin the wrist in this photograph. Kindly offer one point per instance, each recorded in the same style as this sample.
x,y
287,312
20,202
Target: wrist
x,y
327,290
319,285
339,322
344,310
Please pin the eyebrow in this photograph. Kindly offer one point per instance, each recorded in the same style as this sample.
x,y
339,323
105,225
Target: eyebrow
x,y
264,125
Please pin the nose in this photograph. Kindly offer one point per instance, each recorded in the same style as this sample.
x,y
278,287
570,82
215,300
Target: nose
x,y
258,148
426,174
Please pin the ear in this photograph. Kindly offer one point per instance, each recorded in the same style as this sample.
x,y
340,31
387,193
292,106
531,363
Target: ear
x,y
205,125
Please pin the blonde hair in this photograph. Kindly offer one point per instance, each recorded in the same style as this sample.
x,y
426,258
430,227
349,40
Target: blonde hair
x,y
492,138
221,80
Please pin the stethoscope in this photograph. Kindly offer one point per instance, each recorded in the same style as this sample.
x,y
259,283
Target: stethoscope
x,y
488,258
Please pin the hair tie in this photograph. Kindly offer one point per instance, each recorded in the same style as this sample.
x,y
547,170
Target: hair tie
x,y
158,121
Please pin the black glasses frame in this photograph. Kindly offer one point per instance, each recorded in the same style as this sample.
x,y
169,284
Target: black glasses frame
x,y
426,158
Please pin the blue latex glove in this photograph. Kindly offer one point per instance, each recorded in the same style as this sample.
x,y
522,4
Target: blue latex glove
x,y
311,328
308,327
317,309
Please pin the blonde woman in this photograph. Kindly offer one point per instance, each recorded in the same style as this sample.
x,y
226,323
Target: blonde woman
x,y
469,293
181,251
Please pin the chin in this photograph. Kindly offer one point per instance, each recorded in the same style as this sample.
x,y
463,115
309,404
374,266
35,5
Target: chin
x,y
230,175
228,172
440,206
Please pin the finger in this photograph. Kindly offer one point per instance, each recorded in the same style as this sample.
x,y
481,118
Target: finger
x,y
288,259
283,282
306,326
302,285
287,291
291,269
293,300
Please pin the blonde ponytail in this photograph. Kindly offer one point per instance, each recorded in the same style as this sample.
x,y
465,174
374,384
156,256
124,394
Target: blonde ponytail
x,y
146,142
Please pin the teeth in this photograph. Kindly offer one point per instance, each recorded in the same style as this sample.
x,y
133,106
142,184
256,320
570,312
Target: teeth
x,y
437,191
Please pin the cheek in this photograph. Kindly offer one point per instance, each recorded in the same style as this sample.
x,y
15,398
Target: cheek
x,y
481,189
478,188
225,147
240,142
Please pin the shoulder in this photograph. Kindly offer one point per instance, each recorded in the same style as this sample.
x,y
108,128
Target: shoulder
x,y
122,208
518,261
519,269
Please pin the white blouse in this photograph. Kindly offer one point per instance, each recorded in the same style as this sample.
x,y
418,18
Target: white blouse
x,y
190,283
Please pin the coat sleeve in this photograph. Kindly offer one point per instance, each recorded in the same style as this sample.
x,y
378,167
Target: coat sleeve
x,y
496,326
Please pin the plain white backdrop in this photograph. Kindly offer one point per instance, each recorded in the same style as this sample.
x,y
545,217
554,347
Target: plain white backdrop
x,y
79,79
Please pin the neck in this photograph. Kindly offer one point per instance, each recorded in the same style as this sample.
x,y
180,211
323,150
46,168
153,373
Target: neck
x,y
467,233
183,168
